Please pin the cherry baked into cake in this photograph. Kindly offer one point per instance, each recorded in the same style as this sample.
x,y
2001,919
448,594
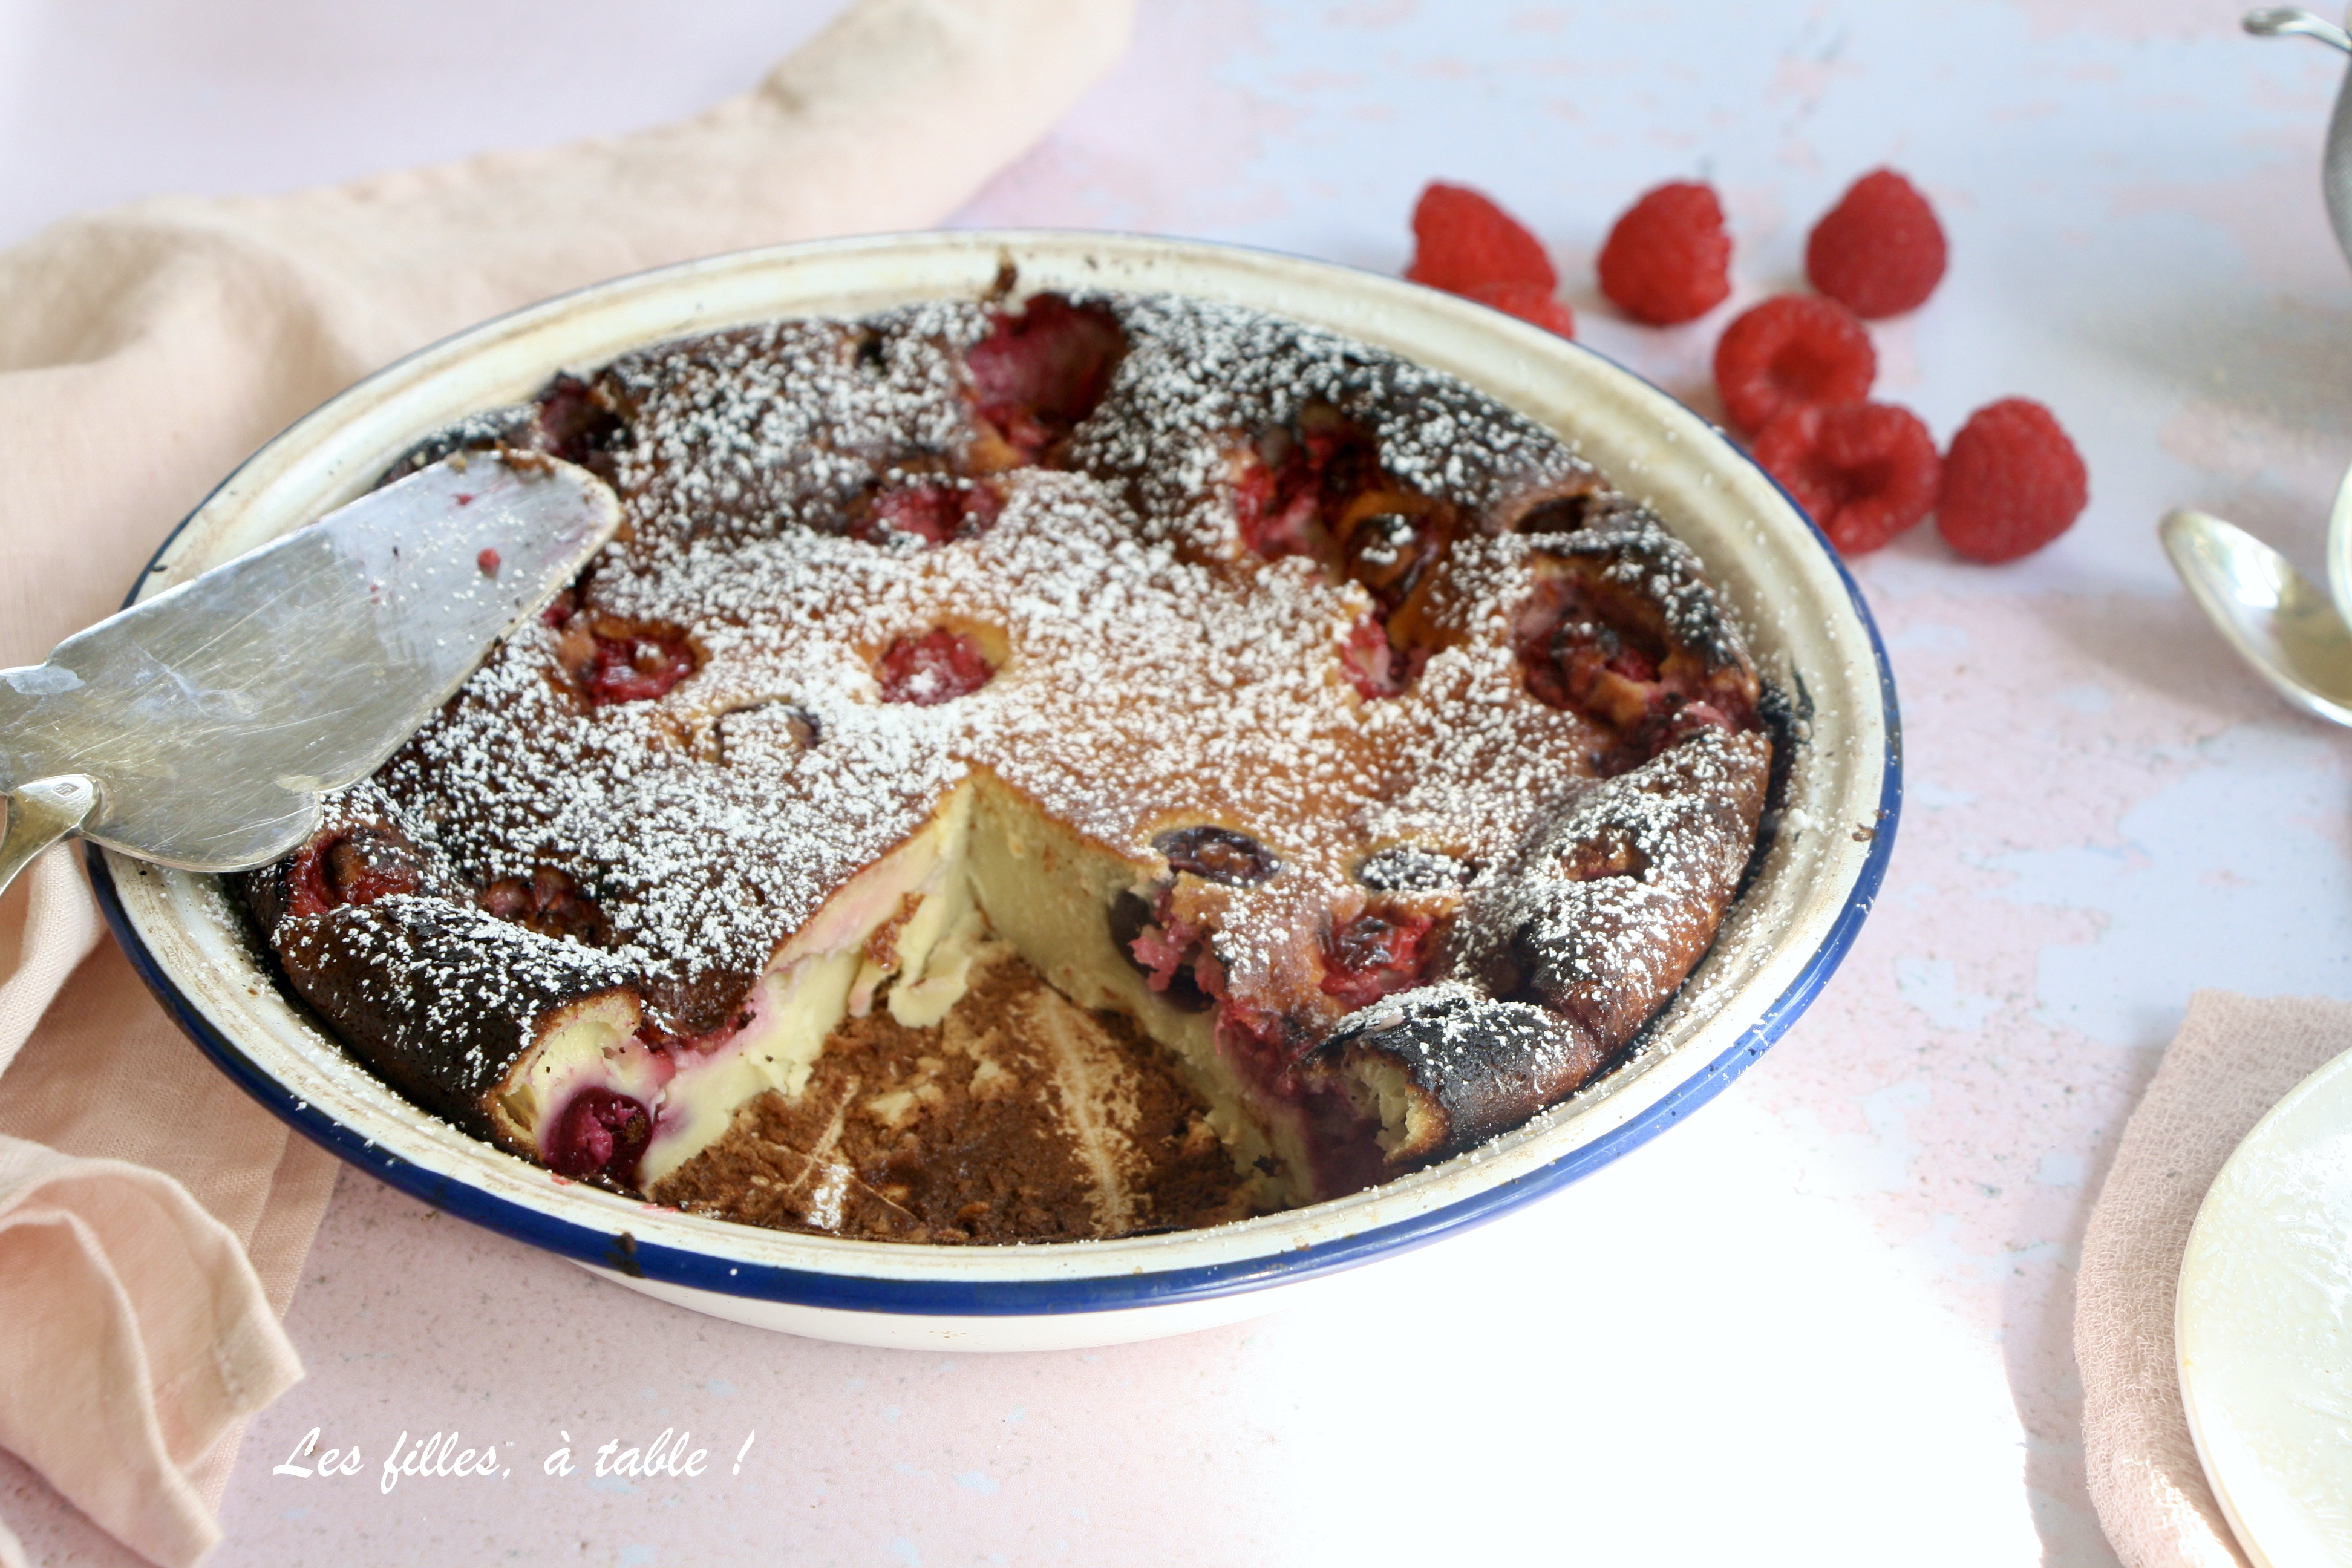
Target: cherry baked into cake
x,y
1024,774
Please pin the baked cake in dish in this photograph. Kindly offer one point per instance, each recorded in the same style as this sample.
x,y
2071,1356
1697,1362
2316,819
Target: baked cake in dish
x,y
1031,773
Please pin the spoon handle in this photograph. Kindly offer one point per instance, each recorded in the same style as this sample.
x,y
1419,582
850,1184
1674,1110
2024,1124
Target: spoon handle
x,y
2335,169
38,815
2280,21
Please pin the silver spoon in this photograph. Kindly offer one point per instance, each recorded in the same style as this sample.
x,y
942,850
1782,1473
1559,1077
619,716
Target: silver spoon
x,y
2291,632
2281,621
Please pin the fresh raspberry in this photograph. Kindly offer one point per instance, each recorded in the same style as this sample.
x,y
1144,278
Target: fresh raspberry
x,y
1880,251
1668,260
2012,482
1865,471
1462,240
1792,350
1530,302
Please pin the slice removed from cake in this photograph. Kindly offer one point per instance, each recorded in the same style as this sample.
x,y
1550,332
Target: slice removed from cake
x,y
990,886
1002,941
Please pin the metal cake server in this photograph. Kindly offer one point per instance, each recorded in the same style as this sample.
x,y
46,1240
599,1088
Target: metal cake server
x,y
197,728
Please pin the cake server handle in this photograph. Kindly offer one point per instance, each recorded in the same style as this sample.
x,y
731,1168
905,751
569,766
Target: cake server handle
x,y
41,814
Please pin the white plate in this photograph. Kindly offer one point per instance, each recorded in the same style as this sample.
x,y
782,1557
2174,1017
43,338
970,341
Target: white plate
x,y
2262,1322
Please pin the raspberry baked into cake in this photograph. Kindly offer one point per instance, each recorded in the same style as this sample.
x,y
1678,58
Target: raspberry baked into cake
x,y
1114,763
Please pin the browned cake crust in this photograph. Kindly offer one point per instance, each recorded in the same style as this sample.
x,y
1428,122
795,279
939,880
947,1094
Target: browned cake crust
x,y
435,995
1424,765
1558,959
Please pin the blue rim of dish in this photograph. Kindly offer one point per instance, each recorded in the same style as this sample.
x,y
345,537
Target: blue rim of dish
x,y
1087,1294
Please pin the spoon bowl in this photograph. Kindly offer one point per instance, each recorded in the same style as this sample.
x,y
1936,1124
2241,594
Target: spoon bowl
x,y
2284,625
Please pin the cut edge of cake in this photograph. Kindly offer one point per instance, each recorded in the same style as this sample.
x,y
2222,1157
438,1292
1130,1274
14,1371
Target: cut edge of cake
x,y
906,934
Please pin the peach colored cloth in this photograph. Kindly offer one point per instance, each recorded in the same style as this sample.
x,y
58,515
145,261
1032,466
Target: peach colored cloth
x,y
153,1219
2234,1058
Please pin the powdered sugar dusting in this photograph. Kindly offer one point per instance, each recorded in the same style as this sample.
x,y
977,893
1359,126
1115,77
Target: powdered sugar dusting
x,y
1150,671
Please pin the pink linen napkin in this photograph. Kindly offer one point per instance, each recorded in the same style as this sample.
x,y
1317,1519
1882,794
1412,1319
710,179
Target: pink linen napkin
x,y
154,1220
2235,1058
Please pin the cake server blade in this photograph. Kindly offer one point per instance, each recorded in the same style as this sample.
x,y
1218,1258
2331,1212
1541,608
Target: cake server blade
x,y
197,728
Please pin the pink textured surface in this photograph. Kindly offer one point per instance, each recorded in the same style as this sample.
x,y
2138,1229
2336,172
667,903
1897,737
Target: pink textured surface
x,y
1828,1320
